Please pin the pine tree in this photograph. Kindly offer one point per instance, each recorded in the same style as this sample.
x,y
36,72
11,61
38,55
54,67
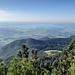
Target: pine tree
x,y
23,53
3,69
13,69
35,63
34,58
72,68
24,63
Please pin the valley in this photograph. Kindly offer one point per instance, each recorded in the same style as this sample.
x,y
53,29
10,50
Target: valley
x,y
9,33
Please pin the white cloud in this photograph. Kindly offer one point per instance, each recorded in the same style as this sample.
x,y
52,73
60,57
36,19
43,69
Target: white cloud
x,y
17,17
9,16
6,15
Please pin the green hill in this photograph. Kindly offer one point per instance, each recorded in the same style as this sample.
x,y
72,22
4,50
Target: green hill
x,y
12,48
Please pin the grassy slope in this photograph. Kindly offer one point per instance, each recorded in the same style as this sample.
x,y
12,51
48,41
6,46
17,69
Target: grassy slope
x,y
52,52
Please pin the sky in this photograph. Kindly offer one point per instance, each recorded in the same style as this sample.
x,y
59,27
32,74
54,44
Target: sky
x,y
37,11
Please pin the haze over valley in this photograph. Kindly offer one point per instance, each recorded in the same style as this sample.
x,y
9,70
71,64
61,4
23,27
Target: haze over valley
x,y
13,31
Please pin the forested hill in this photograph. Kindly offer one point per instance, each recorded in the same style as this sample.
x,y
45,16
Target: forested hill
x,y
46,43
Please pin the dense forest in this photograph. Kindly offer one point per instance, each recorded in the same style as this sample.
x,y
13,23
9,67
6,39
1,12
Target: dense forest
x,y
22,64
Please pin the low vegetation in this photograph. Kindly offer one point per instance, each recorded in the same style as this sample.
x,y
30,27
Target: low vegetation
x,y
52,52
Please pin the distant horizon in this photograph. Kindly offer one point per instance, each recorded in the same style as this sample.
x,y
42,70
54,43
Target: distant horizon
x,y
35,24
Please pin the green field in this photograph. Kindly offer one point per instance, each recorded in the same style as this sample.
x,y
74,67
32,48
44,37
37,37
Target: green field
x,y
52,52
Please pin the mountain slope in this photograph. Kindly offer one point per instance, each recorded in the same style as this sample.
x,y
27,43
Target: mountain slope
x,y
12,48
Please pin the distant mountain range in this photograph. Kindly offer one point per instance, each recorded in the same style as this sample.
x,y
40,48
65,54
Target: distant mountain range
x,y
11,49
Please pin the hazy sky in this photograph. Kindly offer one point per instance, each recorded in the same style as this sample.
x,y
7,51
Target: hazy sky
x,y
37,10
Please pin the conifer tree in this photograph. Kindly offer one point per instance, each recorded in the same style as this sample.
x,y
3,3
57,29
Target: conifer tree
x,y
35,62
3,69
34,58
13,69
24,62
24,52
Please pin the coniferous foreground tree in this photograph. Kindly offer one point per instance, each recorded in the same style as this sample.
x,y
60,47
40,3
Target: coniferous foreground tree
x,y
13,69
20,65
24,61
3,68
36,70
24,52
72,55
